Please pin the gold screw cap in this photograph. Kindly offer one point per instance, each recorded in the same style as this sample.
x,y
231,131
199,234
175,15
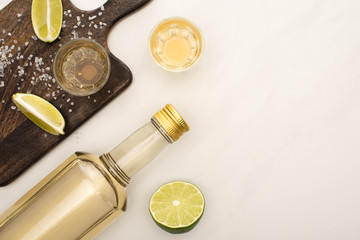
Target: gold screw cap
x,y
172,122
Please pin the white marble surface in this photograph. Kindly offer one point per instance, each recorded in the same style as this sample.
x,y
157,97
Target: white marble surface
x,y
274,110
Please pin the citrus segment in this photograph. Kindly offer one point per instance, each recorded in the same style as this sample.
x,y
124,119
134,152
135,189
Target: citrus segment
x,y
41,112
177,206
46,16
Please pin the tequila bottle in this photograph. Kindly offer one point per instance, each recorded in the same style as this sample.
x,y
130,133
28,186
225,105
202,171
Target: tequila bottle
x,y
86,193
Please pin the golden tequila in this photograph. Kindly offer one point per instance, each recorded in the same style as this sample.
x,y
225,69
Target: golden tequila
x,y
176,44
86,193
82,67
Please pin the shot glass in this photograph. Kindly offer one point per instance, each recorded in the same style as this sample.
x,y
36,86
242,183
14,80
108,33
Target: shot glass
x,y
176,44
82,67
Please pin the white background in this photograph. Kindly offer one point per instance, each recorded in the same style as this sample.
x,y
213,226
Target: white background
x,y
274,110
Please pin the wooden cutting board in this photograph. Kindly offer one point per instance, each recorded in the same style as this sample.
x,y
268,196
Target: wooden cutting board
x,y
26,66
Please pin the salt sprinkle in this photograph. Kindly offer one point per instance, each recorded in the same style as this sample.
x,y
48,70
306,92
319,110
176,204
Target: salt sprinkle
x,y
92,18
102,8
2,70
19,14
75,34
2,84
70,110
26,44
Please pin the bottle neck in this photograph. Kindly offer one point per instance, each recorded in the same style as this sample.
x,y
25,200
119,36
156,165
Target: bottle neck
x,y
136,151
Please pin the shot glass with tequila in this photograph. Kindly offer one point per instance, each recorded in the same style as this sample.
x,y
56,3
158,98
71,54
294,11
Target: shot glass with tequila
x,y
82,67
176,44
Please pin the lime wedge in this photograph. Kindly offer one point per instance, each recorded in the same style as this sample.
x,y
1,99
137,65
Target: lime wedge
x,y
41,112
177,206
46,16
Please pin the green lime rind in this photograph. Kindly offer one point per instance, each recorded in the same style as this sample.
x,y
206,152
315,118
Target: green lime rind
x,y
178,230
180,201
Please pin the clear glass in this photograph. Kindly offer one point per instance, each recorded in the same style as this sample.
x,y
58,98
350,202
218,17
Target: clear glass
x,y
176,44
139,149
82,67
84,194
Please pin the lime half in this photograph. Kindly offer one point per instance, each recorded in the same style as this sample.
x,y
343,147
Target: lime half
x,y
41,112
47,16
177,206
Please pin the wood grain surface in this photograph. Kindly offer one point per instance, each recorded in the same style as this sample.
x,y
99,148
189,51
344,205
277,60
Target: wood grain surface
x,y
26,65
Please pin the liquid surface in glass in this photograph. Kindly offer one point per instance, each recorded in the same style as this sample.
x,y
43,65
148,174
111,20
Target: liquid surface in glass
x,y
176,44
82,67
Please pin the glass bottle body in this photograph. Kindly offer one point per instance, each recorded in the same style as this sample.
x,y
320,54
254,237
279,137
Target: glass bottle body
x,y
84,194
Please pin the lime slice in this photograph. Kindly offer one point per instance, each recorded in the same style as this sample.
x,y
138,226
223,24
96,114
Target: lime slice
x,y
47,18
41,112
177,206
